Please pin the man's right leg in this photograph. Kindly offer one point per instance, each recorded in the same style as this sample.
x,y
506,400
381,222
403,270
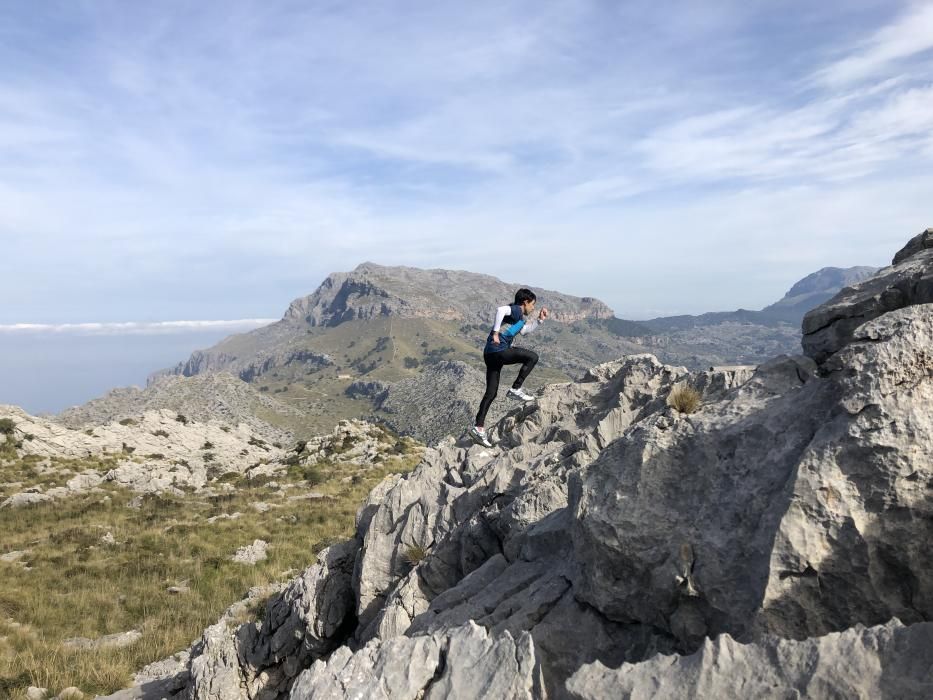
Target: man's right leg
x,y
493,370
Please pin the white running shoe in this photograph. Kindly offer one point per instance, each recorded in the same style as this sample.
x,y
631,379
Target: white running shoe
x,y
519,394
478,435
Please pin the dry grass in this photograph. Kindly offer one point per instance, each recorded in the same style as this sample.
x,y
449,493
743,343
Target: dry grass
x,y
76,585
684,398
414,554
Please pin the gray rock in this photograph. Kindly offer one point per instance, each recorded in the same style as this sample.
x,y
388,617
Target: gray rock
x,y
909,281
922,241
25,499
302,623
466,662
109,641
769,511
889,661
251,553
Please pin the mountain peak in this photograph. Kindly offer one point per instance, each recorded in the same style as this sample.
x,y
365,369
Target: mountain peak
x,y
371,290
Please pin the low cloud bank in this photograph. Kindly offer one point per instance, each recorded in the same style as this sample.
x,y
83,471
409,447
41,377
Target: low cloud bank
x,y
135,327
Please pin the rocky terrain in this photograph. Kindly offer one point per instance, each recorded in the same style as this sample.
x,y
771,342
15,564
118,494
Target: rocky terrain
x,y
213,396
158,451
618,541
165,452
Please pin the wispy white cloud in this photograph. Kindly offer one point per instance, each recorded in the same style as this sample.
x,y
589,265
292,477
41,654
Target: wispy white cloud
x,y
136,327
909,34
178,159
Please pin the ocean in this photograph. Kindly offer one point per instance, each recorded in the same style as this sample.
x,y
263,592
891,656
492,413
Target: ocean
x,y
47,372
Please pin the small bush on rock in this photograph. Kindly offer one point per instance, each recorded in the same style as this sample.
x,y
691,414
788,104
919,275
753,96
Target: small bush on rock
x,y
6,426
685,399
415,554
128,421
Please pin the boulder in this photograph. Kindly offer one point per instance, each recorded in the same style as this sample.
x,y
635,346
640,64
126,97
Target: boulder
x,y
907,282
887,661
466,662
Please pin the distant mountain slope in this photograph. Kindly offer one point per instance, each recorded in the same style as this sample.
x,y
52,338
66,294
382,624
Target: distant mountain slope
x,y
806,294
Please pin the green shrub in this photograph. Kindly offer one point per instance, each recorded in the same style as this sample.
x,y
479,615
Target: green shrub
x,y
160,433
207,445
311,473
6,426
129,421
181,419
410,362
684,398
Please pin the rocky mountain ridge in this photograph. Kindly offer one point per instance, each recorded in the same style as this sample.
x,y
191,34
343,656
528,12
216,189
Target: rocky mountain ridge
x,y
376,290
616,543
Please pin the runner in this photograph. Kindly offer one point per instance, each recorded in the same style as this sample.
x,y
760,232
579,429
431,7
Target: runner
x,y
499,352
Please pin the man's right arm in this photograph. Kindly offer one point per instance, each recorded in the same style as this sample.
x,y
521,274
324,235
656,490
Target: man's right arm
x,y
501,313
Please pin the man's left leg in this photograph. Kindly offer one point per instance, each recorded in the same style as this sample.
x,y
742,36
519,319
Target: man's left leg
x,y
528,360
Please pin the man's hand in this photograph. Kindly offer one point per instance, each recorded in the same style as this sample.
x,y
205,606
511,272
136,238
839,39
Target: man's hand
x,y
495,338
543,313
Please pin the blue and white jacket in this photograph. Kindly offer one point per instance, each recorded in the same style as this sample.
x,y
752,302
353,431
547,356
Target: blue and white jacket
x,y
513,316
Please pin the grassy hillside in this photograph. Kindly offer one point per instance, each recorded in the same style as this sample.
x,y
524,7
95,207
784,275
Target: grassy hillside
x,y
102,563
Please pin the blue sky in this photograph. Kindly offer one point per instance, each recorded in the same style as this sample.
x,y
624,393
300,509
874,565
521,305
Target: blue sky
x,y
214,160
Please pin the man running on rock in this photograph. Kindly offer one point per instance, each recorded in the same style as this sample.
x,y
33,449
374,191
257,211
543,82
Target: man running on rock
x,y
499,352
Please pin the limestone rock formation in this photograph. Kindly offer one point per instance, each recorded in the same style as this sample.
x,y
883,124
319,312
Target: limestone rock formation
x,y
908,281
153,452
606,529
467,662
888,661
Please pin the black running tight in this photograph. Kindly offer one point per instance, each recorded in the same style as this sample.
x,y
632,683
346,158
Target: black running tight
x,y
494,363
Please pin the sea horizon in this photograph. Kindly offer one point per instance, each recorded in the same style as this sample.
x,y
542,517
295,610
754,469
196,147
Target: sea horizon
x,y
46,369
